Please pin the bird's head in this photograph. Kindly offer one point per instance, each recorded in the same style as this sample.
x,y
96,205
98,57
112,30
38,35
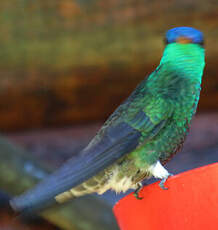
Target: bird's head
x,y
184,35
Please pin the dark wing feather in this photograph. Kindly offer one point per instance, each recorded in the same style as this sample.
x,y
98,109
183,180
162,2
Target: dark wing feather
x,y
116,142
119,136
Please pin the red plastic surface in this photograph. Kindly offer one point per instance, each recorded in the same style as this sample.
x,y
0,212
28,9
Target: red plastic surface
x,y
190,203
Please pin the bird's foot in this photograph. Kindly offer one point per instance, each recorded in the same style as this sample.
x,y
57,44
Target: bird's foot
x,y
161,184
136,193
158,171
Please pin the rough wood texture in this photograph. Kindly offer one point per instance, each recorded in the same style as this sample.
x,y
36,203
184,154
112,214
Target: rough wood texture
x,y
73,61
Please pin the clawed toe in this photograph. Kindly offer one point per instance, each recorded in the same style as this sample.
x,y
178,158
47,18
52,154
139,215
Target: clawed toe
x,y
136,193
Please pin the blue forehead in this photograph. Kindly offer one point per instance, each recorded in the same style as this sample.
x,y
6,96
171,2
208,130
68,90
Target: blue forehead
x,y
195,35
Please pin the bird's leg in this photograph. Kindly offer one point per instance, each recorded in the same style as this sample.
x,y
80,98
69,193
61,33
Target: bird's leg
x,y
161,184
136,193
158,171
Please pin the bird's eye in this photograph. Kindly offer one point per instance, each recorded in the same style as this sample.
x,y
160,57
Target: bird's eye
x,y
201,43
166,41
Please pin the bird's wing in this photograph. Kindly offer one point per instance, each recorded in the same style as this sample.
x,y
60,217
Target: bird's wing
x,y
117,138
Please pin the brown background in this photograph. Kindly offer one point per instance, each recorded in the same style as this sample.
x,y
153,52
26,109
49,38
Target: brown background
x,y
67,62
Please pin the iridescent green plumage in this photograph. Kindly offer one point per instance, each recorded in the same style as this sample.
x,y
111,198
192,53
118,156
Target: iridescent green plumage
x,y
174,93
144,131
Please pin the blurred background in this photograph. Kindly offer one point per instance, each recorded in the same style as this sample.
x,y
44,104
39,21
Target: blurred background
x,y
64,67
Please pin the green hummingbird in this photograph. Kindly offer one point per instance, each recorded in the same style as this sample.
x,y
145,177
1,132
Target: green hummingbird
x,y
142,134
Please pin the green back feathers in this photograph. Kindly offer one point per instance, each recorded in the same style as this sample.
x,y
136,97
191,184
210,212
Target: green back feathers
x,y
185,58
173,91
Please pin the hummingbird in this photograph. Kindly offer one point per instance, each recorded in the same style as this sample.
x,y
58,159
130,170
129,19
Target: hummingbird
x,y
140,136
